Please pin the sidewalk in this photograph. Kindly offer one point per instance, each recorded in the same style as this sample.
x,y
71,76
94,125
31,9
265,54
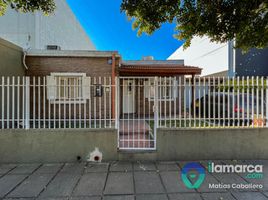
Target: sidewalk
x,y
119,181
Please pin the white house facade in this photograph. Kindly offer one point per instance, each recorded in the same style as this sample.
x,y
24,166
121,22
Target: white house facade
x,y
221,59
212,57
36,31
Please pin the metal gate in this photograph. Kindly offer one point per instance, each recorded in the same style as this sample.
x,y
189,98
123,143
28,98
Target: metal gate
x,y
137,113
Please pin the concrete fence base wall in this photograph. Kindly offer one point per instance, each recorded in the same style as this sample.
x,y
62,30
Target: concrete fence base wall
x,y
28,146
203,144
18,146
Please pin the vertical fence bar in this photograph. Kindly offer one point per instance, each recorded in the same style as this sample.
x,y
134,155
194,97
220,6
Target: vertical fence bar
x,y
168,98
190,102
91,87
248,104
179,88
204,102
94,105
209,100
3,102
193,100
257,103
185,99
79,92
175,96
13,102
54,105
60,101
155,111
160,102
104,103
233,101
262,102
252,100
199,99
214,102
85,87
228,100
110,99
266,102
219,101
65,96
8,101
223,104
243,101
238,101
23,101
18,102
39,102
34,101
27,102
116,88
133,115
44,102
49,104
99,101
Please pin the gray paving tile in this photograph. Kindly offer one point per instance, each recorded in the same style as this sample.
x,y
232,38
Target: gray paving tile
x,y
152,197
121,197
4,168
217,196
90,184
263,181
185,196
61,186
249,196
167,166
73,168
24,169
8,182
97,167
119,183
32,186
85,198
18,199
265,194
53,198
144,166
148,182
209,179
121,167
49,169
173,183
182,163
232,179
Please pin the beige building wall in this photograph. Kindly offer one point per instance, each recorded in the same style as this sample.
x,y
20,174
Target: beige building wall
x,y
11,59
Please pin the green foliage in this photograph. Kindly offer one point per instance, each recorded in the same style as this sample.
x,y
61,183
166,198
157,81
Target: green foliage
x,y
221,20
243,85
46,6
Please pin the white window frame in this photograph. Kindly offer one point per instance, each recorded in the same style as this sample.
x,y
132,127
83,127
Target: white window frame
x,y
56,100
150,89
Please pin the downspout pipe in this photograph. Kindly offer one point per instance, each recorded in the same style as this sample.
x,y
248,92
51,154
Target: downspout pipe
x,y
24,59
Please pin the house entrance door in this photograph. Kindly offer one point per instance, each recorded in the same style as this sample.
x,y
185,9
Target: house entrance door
x,y
128,96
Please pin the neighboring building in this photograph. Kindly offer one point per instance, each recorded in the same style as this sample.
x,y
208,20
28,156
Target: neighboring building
x,y
216,58
36,31
211,57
